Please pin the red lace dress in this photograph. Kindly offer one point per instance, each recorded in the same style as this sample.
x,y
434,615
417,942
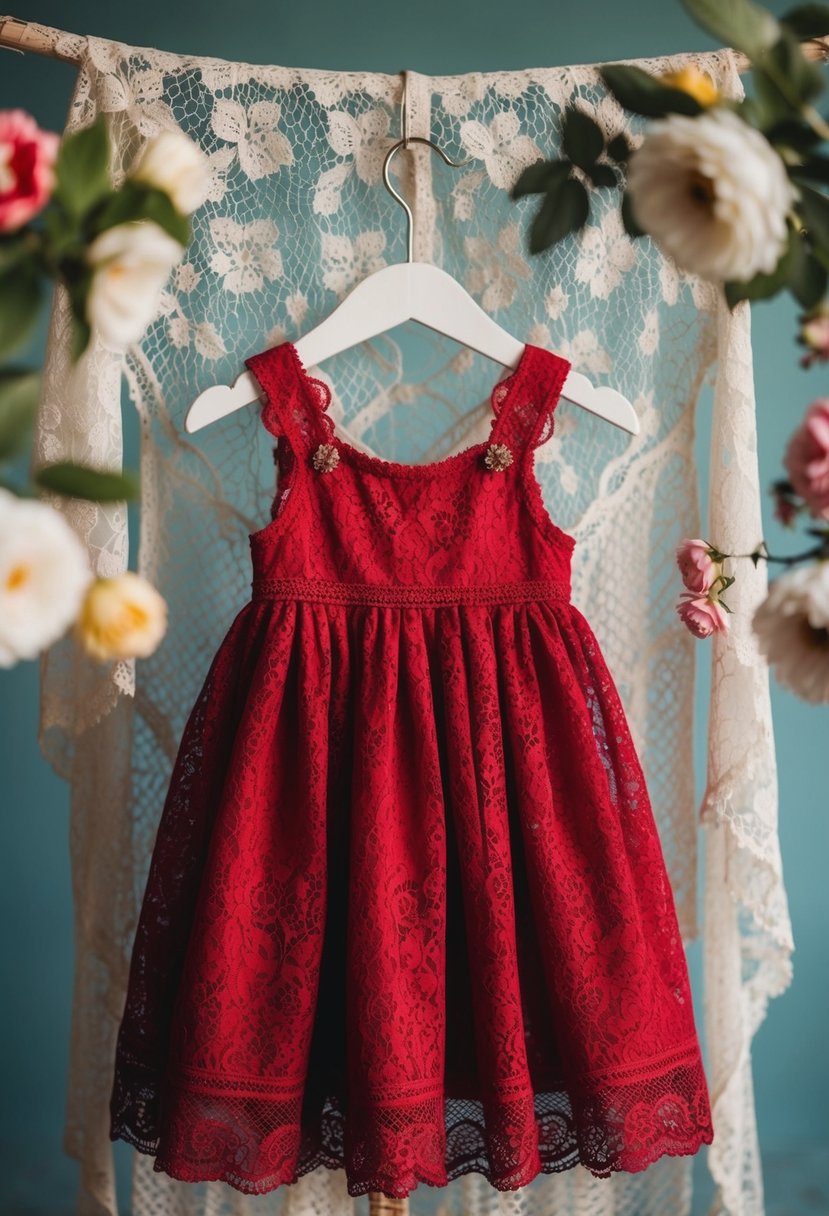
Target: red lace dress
x,y
407,912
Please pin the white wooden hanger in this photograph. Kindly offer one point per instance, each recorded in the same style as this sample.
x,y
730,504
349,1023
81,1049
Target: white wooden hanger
x,y
409,291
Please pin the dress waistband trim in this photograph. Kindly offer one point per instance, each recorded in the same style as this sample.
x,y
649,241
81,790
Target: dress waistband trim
x,y
334,591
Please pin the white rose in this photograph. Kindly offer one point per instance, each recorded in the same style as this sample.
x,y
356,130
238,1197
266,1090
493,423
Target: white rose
x,y
713,193
132,262
172,162
44,573
792,628
122,617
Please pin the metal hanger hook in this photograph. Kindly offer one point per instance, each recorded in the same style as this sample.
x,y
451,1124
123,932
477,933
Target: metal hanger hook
x,y
404,143
414,139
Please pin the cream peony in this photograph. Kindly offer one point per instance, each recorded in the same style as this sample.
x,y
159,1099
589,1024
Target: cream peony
x,y
792,628
713,192
132,262
122,617
44,572
172,162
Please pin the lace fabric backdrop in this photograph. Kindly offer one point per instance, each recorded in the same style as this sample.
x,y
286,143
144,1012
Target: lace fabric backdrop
x,y
296,216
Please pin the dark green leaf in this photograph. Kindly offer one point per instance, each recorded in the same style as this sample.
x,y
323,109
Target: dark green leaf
x,y
796,78
14,248
642,93
581,137
628,222
19,307
138,202
539,177
19,391
602,175
807,277
564,210
814,168
751,110
813,209
80,481
793,133
82,167
619,148
807,20
737,23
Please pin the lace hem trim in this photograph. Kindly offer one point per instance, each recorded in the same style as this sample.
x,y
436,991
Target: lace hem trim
x,y
257,1144
334,591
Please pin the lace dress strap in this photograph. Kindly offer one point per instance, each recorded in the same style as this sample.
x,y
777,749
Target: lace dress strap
x,y
292,404
525,402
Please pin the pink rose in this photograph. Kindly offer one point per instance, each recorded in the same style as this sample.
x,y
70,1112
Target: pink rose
x,y
703,616
27,155
697,567
807,458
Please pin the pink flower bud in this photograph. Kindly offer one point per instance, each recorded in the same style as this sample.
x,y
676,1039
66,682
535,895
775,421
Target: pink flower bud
x,y
703,616
697,567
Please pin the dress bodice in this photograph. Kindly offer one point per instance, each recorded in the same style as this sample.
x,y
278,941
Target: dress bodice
x,y
472,525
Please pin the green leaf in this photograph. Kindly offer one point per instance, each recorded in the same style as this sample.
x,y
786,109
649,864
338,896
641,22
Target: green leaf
x,y
628,222
135,201
581,137
19,391
19,307
807,20
814,168
82,167
813,209
564,210
738,23
81,481
642,93
807,276
14,249
539,177
602,175
798,78
619,149
792,133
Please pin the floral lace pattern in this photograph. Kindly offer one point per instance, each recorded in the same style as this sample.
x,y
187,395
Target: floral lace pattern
x,y
407,911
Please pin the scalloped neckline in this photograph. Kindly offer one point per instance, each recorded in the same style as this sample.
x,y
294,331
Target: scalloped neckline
x,y
377,463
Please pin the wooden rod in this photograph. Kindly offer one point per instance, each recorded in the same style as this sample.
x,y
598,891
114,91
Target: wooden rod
x,y
382,1205
22,36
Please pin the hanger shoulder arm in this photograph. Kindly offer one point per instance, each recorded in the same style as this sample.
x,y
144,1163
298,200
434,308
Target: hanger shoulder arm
x,y
605,402
220,400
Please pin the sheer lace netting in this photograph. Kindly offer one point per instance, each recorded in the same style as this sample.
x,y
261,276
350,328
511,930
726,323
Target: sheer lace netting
x,y
292,223
408,869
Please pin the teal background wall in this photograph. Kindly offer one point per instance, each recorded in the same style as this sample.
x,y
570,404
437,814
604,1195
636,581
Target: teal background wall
x,y
791,1067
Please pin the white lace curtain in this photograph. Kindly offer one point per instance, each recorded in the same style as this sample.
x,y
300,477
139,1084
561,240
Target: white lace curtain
x,y
296,216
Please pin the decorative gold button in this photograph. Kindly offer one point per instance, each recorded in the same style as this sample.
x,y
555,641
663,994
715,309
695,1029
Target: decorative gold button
x,y
498,456
326,458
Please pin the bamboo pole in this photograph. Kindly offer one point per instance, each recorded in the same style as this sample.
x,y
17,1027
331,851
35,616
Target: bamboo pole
x,y
23,36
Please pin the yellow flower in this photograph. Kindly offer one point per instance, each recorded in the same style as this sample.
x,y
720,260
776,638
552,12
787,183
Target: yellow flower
x,y
694,81
122,617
